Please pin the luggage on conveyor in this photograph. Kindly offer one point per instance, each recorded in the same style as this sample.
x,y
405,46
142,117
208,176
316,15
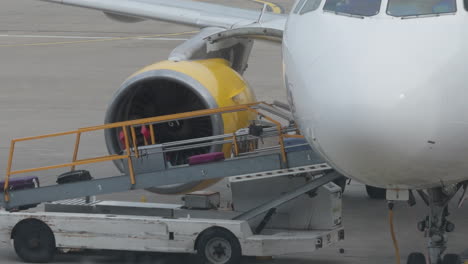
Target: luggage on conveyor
x,y
205,158
21,183
74,176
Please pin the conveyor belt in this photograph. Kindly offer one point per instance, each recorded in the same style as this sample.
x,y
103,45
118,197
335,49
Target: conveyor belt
x,y
260,163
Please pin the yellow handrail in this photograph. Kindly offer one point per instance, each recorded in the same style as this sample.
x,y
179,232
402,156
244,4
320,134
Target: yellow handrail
x,y
124,126
78,162
172,117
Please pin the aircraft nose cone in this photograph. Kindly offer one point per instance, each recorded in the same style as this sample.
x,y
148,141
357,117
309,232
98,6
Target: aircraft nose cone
x,y
386,116
376,143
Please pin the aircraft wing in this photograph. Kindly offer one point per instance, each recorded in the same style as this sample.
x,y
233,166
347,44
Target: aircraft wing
x,y
199,14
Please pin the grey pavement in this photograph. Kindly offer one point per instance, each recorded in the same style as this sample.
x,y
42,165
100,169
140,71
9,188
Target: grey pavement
x,y
51,82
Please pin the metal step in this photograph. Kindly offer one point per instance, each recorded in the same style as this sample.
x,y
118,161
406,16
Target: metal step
x,y
284,172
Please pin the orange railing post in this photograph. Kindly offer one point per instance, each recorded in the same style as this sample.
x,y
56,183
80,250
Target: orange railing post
x,y
75,151
236,147
153,137
8,172
134,141
129,156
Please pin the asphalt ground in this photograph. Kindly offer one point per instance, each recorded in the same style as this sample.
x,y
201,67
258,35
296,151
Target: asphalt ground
x,y
59,67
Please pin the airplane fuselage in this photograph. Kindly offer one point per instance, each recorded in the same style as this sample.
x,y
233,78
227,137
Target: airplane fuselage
x,y
382,98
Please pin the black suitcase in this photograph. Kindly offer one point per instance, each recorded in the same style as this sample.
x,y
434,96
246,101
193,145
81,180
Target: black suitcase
x,y
74,176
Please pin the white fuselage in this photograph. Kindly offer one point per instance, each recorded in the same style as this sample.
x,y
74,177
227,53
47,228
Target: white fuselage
x,y
382,99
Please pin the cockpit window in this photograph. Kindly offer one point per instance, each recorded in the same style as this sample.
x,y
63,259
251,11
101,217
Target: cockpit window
x,y
353,7
406,8
311,5
299,4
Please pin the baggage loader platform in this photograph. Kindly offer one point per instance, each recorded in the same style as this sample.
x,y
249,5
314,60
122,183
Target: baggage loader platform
x,y
145,166
283,199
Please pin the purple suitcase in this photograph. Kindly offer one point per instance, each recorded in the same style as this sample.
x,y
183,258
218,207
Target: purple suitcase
x,y
205,158
21,183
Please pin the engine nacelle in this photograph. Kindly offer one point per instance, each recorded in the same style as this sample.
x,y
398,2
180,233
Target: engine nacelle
x,y
175,87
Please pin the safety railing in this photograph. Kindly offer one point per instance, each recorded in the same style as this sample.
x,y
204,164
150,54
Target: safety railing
x,y
127,135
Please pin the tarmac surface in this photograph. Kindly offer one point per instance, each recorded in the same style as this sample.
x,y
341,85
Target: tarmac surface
x,y
59,67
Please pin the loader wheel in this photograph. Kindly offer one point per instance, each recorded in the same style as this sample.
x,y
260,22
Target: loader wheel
x,y
218,246
34,242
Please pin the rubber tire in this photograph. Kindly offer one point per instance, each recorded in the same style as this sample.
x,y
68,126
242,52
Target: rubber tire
x,y
452,259
207,235
376,193
44,252
416,258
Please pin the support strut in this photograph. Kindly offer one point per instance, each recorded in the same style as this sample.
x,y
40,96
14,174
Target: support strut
x,y
436,226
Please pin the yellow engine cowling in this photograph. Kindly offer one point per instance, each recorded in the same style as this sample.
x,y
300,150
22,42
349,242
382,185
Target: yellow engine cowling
x,y
175,87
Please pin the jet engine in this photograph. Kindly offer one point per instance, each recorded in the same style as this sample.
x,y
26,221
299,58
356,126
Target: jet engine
x,y
171,87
